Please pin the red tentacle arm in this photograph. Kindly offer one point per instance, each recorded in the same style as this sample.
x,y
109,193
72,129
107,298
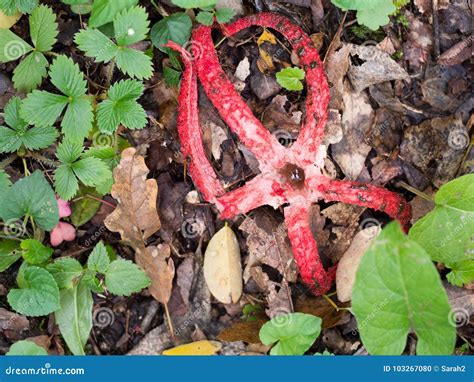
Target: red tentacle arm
x,y
305,250
312,131
233,110
261,190
367,195
199,167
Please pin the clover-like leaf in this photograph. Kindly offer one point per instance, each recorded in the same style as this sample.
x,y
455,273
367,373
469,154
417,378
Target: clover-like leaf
x,y
124,277
290,78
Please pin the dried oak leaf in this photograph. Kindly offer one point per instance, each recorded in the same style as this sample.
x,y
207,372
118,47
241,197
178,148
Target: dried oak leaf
x,y
135,216
159,267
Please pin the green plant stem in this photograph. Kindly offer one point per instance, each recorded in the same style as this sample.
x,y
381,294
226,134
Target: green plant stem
x,y
94,198
25,167
220,42
419,193
41,158
159,9
4,163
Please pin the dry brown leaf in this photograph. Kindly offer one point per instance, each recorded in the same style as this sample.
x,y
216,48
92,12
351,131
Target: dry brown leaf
x,y
378,67
347,267
222,266
7,22
135,216
320,307
246,331
159,267
268,243
351,152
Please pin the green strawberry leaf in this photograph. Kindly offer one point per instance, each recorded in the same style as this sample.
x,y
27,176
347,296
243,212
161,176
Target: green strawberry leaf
x,y
29,74
38,294
35,253
66,271
123,278
291,334
104,11
96,44
43,28
31,196
224,15
85,208
131,26
11,7
205,18
290,78
461,273
75,317
188,4
12,47
398,290
26,347
98,260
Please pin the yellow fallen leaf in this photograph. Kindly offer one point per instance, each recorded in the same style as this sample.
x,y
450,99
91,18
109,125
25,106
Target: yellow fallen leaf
x,y
7,22
265,61
195,348
222,266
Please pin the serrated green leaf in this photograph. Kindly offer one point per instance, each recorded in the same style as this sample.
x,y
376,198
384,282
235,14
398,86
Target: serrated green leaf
x,y
38,294
122,108
9,140
398,290
12,114
134,63
96,44
447,232
35,253
205,18
176,27
84,209
224,15
77,121
9,253
104,11
66,271
32,196
91,171
98,260
12,47
30,72
75,317
39,137
290,78
69,151
41,108
291,334
461,273
26,347
4,183
67,77
65,182
10,7
43,28
194,3
131,26
123,278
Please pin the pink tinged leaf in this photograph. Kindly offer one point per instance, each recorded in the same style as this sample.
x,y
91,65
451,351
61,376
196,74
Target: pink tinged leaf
x,y
62,232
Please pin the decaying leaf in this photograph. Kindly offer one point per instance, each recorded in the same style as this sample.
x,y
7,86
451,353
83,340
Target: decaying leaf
x,y
350,153
268,244
320,307
265,62
135,217
6,22
347,267
159,267
195,348
378,67
222,266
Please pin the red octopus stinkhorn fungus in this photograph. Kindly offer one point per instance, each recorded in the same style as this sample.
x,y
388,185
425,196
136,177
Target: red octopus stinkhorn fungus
x,y
291,176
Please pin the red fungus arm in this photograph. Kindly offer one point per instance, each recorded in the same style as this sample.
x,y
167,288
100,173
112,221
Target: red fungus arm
x,y
367,195
312,131
261,190
305,250
233,110
199,167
